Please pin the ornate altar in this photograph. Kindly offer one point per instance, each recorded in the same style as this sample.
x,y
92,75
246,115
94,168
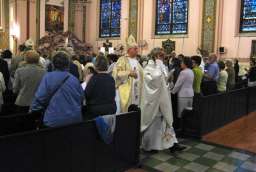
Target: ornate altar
x,y
53,41
168,46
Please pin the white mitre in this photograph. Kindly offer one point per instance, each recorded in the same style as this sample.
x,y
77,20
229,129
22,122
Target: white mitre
x,y
131,42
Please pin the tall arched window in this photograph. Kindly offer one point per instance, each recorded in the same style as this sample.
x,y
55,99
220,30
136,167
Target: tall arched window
x,y
248,16
171,17
110,15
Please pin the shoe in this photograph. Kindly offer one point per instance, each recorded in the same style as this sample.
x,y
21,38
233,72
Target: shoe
x,y
177,148
151,151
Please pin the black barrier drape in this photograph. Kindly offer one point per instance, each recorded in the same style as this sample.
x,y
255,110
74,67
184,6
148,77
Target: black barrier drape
x,y
215,111
75,148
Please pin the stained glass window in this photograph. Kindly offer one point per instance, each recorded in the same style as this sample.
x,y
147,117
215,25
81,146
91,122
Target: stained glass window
x,y
248,16
171,17
110,15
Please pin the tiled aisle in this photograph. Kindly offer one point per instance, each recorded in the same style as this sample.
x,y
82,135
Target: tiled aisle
x,y
200,157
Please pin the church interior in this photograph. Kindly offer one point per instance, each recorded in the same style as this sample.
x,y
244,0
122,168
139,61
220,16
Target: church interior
x,y
127,85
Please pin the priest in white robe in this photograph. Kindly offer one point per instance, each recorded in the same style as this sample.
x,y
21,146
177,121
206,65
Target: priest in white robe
x,y
157,117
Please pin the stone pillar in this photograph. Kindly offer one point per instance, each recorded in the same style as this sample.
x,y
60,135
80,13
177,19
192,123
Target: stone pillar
x,y
71,16
38,5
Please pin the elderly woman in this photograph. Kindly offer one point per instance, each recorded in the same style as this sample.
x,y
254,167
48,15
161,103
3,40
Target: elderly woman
x,y
231,75
59,95
157,116
100,91
26,80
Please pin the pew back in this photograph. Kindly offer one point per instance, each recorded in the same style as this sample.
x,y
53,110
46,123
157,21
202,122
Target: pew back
x,y
74,148
215,111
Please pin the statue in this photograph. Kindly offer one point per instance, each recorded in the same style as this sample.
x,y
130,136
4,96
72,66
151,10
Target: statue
x,y
168,46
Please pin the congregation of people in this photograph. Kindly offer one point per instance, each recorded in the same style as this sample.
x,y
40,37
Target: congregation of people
x,y
67,88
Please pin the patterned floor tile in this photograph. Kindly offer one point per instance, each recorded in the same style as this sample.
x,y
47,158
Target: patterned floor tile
x,y
252,159
187,147
204,147
214,156
178,162
213,170
151,162
199,157
196,151
162,156
190,142
221,150
242,170
166,167
183,170
206,161
249,166
188,156
232,161
196,167
240,156
225,167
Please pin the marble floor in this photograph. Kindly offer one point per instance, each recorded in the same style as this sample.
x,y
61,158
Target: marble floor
x,y
199,157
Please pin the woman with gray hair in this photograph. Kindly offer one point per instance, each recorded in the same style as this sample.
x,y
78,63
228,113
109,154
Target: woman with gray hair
x,y
100,91
59,95
26,80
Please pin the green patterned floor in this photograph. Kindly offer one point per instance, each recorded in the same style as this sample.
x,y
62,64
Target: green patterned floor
x,y
200,157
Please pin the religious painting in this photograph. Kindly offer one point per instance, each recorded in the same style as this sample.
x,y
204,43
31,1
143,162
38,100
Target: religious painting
x,y
168,46
54,18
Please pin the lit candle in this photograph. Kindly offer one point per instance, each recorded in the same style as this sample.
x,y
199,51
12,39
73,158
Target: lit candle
x,y
66,42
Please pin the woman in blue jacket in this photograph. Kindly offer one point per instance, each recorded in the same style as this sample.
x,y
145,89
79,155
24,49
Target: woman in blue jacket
x,y
59,95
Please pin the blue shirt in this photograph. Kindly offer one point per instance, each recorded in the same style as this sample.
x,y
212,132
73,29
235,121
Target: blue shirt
x,y
65,105
213,71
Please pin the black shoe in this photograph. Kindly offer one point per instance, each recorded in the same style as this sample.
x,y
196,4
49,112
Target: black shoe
x,y
151,151
177,148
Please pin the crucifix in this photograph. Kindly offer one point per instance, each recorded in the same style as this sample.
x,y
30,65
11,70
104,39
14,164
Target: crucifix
x,y
107,45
